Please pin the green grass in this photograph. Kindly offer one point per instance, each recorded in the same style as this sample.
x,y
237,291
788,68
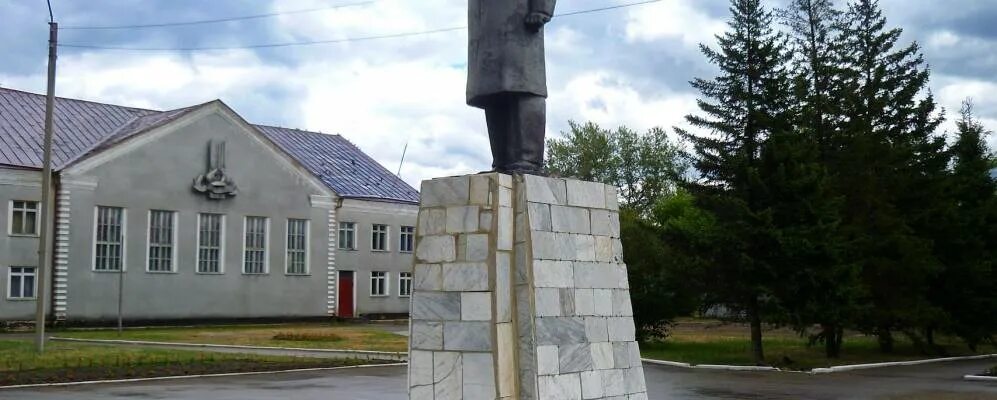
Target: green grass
x,y
713,342
65,362
317,336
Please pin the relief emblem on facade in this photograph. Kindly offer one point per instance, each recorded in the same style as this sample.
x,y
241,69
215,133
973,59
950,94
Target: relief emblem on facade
x,y
215,183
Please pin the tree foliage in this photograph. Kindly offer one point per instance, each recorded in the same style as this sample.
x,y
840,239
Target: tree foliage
x,y
645,167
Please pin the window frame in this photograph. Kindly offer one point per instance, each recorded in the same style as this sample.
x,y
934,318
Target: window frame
x,y
386,241
353,235
387,283
401,284
221,244
401,239
10,280
266,245
10,218
123,242
173,245
306,250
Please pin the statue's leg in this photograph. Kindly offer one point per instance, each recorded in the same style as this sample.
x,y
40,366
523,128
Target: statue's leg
x,y
499,120
530,116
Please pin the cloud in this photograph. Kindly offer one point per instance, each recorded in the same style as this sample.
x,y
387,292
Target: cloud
x,y
619,67
675,19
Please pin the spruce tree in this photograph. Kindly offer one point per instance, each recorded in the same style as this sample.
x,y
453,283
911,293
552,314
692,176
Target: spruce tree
x,y
892,175
748,101
821,289
967,289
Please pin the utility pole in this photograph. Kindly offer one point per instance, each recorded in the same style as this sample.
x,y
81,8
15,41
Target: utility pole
x,y
44,261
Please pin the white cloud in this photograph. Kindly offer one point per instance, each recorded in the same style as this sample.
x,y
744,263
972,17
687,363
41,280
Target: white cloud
x,y
673,19
609,100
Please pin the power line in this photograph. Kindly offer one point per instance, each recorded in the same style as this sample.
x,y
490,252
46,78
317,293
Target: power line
x,y
332,41
219,20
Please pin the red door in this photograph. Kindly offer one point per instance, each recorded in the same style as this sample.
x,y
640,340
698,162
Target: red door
x,y
345,294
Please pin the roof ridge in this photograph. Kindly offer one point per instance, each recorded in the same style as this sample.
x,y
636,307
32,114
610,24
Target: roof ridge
x,y
78,100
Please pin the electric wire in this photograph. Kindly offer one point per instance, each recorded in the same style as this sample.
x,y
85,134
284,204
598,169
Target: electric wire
x,y
218,20
329,41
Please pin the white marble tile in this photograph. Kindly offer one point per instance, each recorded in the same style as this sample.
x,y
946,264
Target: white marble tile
x,y
547,361
570,220
560,387
463,219
550,273
592,385
586,194
436,249
476,306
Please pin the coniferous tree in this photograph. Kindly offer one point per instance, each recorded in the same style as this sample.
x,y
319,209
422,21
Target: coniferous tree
x,y
967,289
893,171
822,288
747,102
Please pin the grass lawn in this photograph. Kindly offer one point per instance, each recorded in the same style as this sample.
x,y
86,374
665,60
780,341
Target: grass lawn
x,y
698,341
315,335
68,362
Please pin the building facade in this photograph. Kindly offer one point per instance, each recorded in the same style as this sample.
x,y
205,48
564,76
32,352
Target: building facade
x,y
196,214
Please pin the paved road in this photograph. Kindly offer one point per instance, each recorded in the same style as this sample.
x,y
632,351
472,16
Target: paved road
x,y
934,382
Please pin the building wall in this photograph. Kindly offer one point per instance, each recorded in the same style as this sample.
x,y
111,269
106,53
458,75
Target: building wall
x,y
363,260
157,176
18,251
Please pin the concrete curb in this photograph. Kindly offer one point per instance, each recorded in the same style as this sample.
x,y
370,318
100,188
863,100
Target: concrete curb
x,y
844,368
173,377
980,378
708,366
840,368
354,354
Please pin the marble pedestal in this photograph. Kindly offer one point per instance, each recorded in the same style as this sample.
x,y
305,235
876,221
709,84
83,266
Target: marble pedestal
x,y
520,292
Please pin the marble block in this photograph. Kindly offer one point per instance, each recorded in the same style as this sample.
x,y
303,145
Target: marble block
x,y
520,292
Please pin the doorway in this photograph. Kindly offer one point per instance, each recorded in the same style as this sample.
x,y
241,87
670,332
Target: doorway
x,y
345,302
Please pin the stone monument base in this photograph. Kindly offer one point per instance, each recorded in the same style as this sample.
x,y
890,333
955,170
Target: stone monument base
x,y
520,292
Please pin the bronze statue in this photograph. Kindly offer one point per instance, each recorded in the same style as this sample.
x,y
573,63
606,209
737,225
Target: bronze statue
x,y
507,78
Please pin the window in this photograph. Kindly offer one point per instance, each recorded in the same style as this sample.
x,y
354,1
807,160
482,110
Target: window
x,y
297,246
22,283
378,283
379,237
162,240
404,284
347,235
109,239
24,218
210,239
407,239
255,256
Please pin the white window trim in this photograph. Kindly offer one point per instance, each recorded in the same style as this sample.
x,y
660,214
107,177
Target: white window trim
x,y
174,245
124,242
34,291
221,246
308,247
386,241
400,233
353,233
387,284
10,219
266,246
411,279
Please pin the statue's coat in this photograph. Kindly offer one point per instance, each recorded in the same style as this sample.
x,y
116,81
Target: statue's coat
x,y
504,56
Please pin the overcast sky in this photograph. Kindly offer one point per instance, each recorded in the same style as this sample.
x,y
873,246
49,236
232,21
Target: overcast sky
x,y
628,66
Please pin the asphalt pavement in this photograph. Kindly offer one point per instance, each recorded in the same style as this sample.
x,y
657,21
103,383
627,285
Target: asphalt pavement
x,y
942,381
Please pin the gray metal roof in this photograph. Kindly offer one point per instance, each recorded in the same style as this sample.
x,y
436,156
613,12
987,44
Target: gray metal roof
x,y
83,128
341,165
79,126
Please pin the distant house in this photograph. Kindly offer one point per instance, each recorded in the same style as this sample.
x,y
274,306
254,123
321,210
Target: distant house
x,y
209,217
